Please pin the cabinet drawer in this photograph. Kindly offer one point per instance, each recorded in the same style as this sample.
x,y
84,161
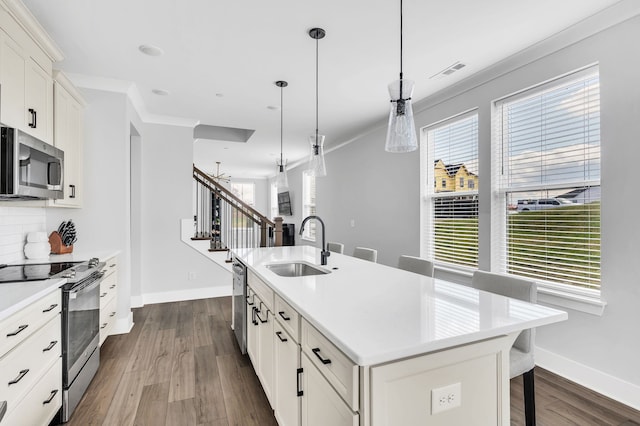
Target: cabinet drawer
x,y
25,322
287,317
21,368
41,403
335,366
112,266
107,318
108,289
261,289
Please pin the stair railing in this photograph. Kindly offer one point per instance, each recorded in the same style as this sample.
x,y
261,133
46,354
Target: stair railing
x,y
226,220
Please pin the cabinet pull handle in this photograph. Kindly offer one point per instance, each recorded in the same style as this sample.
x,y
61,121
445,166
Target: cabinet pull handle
x,y
283,316
325,361
103,295
253,316
103,325
33,118
112,265
282,339
112,287
73,191
262,320
20,376
112,314
299,391
50,308
51,345
18,331
53,395
249,303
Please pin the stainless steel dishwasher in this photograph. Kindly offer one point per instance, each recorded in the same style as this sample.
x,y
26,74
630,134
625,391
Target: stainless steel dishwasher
x,y
239,306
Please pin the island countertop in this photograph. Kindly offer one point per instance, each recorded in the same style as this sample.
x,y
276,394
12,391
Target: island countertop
x,y
375,313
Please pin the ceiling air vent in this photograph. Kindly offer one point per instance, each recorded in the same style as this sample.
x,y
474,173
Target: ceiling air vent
x,y
449,70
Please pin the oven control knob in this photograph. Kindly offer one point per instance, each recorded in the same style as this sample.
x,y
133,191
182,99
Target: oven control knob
x,y
93,262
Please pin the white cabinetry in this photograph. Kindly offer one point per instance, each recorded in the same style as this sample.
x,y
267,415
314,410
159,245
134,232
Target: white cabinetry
x,y
68,136
26,101
287,372
30,363
108,298
260,339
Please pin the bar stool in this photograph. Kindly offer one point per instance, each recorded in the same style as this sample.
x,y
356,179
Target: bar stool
x,y
366,254
416,264
335,247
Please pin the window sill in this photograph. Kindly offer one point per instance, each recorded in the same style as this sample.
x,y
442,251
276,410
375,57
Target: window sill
x,y
588,303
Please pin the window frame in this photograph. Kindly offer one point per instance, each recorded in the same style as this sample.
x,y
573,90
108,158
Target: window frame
x,y
568,295
427,196
308,206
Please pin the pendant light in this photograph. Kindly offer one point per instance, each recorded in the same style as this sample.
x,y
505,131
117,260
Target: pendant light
x,y
282,183
401,134
317,166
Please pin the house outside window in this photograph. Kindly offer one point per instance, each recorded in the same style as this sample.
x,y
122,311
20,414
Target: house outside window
x,y
450,213
309,205
548,183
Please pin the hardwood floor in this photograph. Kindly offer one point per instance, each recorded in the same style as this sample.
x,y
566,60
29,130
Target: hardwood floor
x,y
181,365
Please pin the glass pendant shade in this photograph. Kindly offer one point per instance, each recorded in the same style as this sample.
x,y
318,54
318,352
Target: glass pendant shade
x,y
317,166
282,182
401,133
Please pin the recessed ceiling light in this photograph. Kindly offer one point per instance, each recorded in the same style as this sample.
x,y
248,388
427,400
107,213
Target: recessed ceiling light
x,y
273,107
220,95
150,50
160,92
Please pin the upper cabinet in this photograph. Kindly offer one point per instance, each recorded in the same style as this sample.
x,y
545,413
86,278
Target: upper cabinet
x,y
26,98
68,136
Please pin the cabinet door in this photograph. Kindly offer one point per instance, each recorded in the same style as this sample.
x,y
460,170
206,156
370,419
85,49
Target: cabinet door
x,y
68,137
12,71
265,350
287,358
252,328
38,97
321,405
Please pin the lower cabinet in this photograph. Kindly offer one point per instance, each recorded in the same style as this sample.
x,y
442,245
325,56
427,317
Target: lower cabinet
x,y
260,337
288,378
108,298
321,405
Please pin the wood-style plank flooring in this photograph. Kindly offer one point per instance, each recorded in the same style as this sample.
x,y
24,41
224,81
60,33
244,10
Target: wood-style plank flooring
x,y
181,365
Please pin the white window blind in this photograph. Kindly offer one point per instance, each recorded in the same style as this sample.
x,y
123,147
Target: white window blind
x,y
450,206
548,141
273,200
309,205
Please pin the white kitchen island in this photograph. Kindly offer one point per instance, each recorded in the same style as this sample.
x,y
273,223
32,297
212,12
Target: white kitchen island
x,y
396,342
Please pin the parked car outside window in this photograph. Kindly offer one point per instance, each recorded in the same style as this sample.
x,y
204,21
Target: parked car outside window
x,y
542,204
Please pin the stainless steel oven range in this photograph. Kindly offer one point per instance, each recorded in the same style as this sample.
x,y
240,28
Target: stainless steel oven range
x,y
80,331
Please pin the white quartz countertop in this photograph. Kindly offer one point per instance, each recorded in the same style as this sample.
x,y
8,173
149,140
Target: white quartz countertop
x,y
375,313
15,296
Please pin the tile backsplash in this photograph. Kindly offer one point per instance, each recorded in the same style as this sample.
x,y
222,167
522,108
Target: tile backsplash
x,y
15,224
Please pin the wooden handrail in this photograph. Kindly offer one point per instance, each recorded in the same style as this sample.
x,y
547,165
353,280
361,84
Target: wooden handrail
x,y
206,180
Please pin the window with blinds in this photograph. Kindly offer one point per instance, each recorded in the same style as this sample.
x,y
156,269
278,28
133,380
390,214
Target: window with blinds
x,y
309,205
450,206
246,192
549,181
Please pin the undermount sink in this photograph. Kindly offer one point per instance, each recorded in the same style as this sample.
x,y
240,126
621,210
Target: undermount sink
x,y
296,269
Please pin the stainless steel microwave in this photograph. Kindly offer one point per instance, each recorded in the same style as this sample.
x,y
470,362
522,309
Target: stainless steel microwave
x,y
30,168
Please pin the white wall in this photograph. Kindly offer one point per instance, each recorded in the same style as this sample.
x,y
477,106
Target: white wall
x,y
381,192
167,263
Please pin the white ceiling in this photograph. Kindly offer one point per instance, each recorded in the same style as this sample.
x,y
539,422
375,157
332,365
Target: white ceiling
x,y
238,49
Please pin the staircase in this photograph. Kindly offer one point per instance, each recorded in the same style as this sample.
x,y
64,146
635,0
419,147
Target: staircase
x,y
227,221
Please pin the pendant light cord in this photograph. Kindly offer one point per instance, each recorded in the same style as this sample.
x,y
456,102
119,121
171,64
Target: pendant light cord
x,y
281,126
316,143
401,48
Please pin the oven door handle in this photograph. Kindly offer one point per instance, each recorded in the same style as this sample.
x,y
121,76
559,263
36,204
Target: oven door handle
x,y
89,286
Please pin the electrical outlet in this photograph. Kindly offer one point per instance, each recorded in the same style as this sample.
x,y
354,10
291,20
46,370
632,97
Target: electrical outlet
x,y
191,276
446,398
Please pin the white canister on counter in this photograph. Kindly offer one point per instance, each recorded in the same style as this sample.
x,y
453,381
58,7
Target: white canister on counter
x,y
37,246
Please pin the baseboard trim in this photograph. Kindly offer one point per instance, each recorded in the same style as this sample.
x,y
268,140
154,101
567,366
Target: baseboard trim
x,y
123,325
191,294
613,387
